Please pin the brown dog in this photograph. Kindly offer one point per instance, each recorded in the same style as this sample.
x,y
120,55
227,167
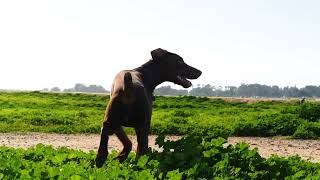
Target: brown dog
x,y
131,100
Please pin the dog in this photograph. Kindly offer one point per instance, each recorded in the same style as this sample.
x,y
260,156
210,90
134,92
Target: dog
x,y
131,99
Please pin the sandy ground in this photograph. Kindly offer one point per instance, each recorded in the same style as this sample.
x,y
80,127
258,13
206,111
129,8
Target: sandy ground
x,y
307,149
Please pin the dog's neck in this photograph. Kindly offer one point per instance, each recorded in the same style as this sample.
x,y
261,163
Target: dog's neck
x,y
152,74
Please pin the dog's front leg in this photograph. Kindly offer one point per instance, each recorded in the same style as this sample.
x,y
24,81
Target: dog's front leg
x,y
142,138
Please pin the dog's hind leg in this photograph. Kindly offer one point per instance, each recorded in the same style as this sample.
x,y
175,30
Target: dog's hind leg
x,y
111,125
127,145
103,147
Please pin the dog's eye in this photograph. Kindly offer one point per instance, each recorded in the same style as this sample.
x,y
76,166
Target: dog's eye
x,y
180,64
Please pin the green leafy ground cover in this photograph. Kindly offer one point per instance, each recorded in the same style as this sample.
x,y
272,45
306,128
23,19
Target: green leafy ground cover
x,y
82,113
188,158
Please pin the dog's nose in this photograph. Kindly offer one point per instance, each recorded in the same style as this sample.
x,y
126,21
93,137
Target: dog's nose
x,y
198,73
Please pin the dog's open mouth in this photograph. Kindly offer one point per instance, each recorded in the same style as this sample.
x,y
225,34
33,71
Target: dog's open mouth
x,y
182,81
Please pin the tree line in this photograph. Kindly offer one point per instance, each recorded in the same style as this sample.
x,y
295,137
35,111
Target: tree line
x,y
244,90
79,88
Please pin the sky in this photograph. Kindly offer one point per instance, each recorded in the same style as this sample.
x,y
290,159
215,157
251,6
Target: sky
x,y
62,42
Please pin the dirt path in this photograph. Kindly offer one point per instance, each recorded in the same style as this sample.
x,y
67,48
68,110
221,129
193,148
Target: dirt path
x,y
75,141
307,149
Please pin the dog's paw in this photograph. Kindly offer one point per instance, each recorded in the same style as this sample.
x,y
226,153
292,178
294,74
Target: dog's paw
x,y
121,158
100,159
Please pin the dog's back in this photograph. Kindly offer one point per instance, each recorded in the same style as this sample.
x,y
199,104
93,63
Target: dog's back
x,y
126,85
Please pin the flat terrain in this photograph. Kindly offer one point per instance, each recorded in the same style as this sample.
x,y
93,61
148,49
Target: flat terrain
x,y
306,149
65,113
29,119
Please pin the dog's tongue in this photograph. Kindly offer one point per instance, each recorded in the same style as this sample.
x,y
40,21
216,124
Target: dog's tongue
x,y
183,82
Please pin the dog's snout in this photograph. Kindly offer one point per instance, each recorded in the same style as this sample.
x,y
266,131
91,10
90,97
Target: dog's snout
x,y
198,73
194,73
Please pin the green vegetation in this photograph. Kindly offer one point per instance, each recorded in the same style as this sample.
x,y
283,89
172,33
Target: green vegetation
x,y
198,116
188,158
199,155
51,112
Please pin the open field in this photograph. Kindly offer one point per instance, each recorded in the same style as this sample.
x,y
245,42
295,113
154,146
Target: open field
x,y
201,153
83,113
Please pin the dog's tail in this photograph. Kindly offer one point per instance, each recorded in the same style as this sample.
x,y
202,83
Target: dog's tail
x,y
128,84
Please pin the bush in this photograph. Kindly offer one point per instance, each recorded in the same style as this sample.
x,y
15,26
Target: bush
x,y
269,125
310,112
307,130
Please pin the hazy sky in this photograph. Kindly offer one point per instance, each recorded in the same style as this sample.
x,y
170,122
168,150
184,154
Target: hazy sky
x,y
62,42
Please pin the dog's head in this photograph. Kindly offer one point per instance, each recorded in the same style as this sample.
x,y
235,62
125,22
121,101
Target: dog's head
x,y
174,68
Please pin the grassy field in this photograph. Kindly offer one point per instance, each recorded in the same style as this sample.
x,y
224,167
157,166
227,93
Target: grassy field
x,y
199,155
83,113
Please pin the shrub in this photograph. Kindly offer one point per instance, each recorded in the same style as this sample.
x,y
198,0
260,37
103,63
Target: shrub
x,y
310,112
307,130
269,125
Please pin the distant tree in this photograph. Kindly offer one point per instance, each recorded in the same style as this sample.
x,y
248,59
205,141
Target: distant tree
x,y
206,90
294,92
69,90
83,88
276,92
55,89
96,89
310,91
80,88
243,91
230,91
167,90
45,90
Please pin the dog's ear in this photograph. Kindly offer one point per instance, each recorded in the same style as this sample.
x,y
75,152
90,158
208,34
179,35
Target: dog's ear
x,y
158,53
